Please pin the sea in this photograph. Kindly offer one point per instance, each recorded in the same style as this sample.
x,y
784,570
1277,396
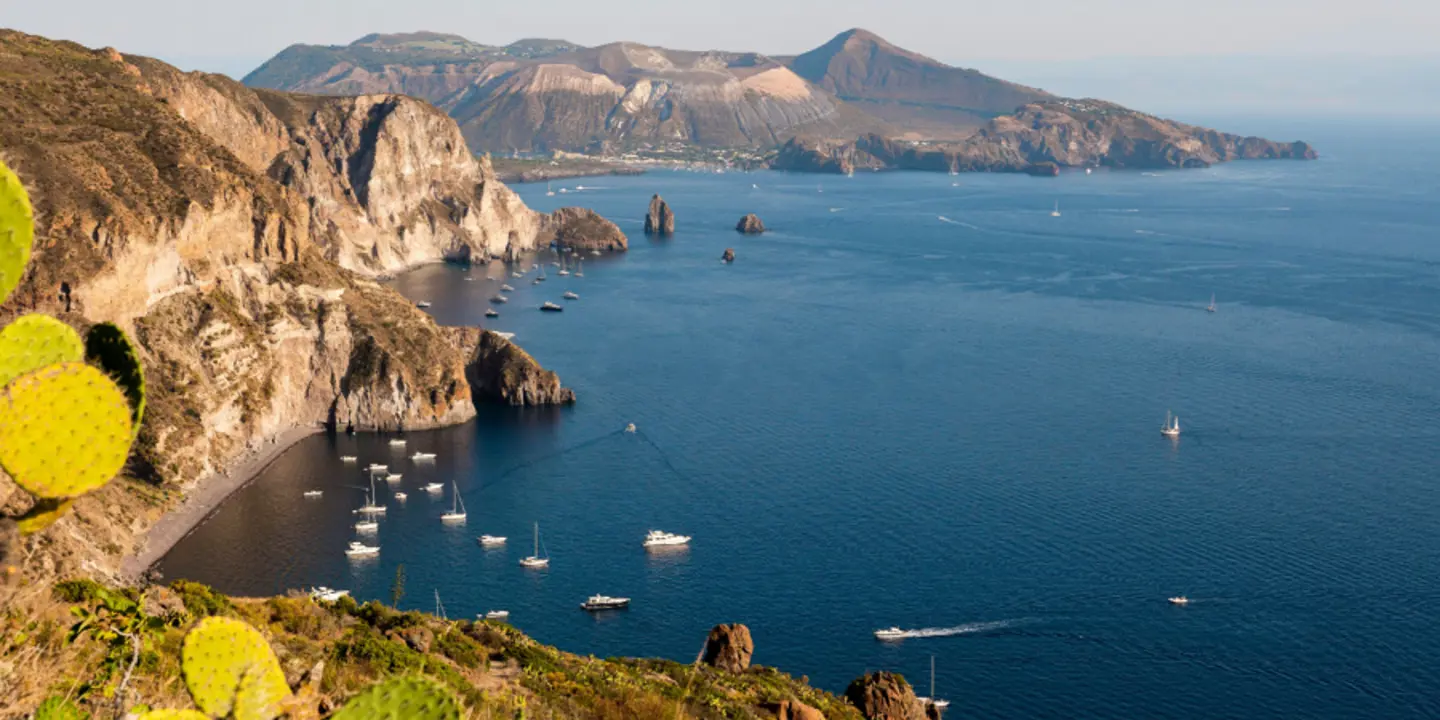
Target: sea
x,y
925,401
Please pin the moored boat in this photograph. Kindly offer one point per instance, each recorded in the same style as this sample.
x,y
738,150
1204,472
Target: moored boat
x,y
551,307
497,615
327,594
660,538
605,602
358,549
422,456
537,559
314,493
1171,428
348,458
569,295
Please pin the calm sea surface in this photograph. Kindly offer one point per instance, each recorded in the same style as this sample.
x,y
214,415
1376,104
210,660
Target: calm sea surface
x,y
923,401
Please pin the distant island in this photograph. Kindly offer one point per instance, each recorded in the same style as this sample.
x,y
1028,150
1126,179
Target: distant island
x,y
857,102
527,170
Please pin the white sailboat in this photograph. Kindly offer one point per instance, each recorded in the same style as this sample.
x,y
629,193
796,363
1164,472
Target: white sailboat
x,y
1211,306
457,506
1171,428
370,508
367,526
1056,211
537,559
563,270
548,191
932,700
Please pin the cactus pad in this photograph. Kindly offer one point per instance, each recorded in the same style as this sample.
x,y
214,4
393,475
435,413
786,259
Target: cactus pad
x,y
109,347
262,691
64,430
17,231
402,698
43,515
215,657
33,342
168,714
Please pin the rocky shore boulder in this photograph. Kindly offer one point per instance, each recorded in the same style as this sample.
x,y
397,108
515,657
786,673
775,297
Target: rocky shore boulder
x,y
794,710
750,225
583,229
885,696
729,255
729,647
660,220
500,371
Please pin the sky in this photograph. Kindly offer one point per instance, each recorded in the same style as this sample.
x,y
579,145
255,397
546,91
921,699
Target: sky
x,y
1068,46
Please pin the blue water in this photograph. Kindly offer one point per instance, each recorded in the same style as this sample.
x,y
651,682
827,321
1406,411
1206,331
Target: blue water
x,y
927,405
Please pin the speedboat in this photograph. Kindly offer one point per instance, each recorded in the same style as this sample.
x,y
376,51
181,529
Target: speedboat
x,y
497,615
366,526
499,299
348,458
492,540
357,549
423,304
571,295
314,493
434,487
551,307
605,602
376,467
517,274
401,496
327,594
890,633
398,441
506,288
1179,600
419,456
660,538
491,312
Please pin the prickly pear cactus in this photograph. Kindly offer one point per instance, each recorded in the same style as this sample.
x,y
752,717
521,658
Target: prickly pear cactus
x,y
34,341
58,708
17,231
64,430
216,657
261,693
173,715
109,347
402,698
44,514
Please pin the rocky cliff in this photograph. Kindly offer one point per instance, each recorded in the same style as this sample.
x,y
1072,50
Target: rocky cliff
x,y
583,229
502,372
216,223
1063,133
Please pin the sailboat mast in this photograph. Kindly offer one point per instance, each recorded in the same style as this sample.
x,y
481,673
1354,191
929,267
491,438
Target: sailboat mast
x,y
932,677
536,552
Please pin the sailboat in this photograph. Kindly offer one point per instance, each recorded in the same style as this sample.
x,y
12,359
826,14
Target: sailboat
x,y
457,506
439,606
548,191
1056,211
563,269
941,704
536,560
1211,306
370,508
1171,428
580,268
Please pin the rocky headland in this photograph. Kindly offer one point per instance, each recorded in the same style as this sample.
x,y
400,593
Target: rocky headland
x,y
583,229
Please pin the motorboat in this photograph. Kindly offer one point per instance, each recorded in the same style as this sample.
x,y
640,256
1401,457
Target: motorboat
x,y
1171,428
491,540
348,458
537,559
401,496
506,288
569,295
358,549
517,274
491,312
457,506
499,299
423,304
497,615
314,493
660,538
327,594
376,467
1179,600
397,441
551,307
367,526
434,487
392,477
605,602
890,633
422,456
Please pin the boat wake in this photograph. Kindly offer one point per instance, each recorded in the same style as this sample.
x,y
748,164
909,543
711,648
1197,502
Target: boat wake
x,y
944,219
966,629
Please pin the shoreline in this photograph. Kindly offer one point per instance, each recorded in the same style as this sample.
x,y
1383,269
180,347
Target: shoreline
x,y
205,498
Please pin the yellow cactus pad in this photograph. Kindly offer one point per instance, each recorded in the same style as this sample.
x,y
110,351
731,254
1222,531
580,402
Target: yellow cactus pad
x,y
215,658
173,715
64,430
261,694
402,698
17,231
33,342
45,513
109,347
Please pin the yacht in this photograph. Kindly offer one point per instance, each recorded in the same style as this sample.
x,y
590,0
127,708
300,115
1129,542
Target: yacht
x,y
660,538
506,288
932,700
890,633
499,299
327,594
537,559
1211,306
358,549
497,615
1171,428
536,281
401,496
605,602
457,506
434,487
571,296
491,312
367,526
421,456
348,458
398,441
314,493
492,540
551,307
1179,600
517,274
393,477
376,467
423,304
1056,211
595,253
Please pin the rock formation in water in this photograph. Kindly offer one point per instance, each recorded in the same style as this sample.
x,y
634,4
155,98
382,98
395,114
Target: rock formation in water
x,y
885,696
728,256
750,225
583,229
729,648
659,220
500,371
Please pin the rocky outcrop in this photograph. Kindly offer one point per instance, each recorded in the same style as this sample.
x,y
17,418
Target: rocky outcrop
x,y
659,220
729,648
794,710
499,371
1042,138
728,256
750,225
583,229
885,696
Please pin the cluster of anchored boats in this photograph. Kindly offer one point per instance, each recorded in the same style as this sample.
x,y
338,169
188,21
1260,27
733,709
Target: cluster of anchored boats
x,y
500,298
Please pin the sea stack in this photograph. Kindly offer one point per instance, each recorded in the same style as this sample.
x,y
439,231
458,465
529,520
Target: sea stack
x,y
729,647
750,225
659,221
729,255
885,696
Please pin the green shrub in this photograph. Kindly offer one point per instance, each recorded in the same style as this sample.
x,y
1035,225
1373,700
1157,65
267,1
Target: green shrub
x,y
200,600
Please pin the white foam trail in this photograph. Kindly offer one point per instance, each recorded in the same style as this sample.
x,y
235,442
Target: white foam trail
x,y
966,629
957,222
836,209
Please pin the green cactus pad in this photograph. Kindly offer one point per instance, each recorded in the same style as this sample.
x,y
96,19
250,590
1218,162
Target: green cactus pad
x,y
34,341
64,430
402,698
17,231
43,515
109,347
262,691
167,714
58,708
215,657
